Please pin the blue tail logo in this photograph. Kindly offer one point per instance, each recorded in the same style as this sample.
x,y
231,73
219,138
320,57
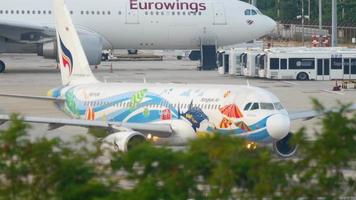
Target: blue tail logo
x,y
66,57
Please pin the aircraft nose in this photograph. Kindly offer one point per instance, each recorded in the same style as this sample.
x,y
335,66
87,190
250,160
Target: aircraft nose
x,y
270,25
278,126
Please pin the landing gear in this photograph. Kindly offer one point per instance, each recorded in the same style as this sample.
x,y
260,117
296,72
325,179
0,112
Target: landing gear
x,y
132,51
208,57
2,67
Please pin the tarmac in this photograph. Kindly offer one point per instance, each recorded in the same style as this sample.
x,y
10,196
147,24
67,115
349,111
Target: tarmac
x,y
32,75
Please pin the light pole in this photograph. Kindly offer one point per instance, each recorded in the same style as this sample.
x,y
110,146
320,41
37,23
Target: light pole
x,y
334,24
320,21
303,18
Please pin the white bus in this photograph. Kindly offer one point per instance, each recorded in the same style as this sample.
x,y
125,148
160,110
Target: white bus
x,y
317,64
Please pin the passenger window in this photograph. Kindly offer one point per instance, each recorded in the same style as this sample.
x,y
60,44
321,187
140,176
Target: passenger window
x,y
267,106
284,64
255,106
274,63
247,106
336,63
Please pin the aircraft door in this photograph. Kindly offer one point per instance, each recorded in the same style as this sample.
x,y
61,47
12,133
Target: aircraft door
x,y
219,14
131,15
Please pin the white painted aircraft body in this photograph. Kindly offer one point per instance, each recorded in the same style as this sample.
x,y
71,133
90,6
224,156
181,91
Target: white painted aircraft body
x,y
142,24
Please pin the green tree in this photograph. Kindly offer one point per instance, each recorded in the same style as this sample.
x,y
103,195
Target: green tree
x,y
216,167
46,169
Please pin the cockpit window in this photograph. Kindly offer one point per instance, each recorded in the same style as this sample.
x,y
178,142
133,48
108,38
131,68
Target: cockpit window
x,y
248,12
267,106
251,12
247,106
255,106
278,106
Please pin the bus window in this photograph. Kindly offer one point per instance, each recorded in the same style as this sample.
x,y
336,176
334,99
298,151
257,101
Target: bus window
x,y
327,67
301,63
336,63
284,64
353,66
274,63
255,106
346,66
238,59
262,61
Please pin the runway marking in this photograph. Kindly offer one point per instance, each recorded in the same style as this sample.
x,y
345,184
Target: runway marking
x,y
333,92
290,83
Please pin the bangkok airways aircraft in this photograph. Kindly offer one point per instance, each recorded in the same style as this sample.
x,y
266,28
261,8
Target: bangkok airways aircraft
x,y
169,114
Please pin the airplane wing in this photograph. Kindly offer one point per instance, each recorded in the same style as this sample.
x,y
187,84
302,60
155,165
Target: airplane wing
x,y
308,115
25,32
304,115
44,98
159,130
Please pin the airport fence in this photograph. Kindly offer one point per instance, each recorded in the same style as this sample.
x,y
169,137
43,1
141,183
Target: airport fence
x,y
293,32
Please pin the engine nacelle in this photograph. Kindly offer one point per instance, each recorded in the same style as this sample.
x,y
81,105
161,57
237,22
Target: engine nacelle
x,y
92,45
284,148
122,141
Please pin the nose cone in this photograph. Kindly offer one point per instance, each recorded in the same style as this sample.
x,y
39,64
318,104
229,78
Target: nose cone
x,y
270,25
278,126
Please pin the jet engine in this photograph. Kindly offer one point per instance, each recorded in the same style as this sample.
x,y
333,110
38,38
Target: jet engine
x,y
284,148
122,141
92,45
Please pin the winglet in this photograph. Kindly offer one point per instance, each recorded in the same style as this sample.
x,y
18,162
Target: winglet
x,y
74,65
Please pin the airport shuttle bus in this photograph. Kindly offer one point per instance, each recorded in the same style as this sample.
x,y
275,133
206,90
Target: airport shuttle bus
x,y
310,65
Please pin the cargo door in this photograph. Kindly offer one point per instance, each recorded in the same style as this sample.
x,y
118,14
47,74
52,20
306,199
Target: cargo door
x,y
219,14
131,15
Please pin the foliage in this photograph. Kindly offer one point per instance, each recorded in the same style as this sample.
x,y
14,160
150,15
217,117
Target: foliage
x,y
214,167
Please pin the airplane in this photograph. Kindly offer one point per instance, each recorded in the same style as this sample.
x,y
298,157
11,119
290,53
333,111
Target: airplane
x,y
165,114
28,26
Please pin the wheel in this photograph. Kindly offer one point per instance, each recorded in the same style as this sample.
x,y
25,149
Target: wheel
x,y
104,56
302,76
132,51
2,67
179,57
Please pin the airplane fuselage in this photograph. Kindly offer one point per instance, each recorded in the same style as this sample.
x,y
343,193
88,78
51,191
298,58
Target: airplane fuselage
x,y
205,109
164,24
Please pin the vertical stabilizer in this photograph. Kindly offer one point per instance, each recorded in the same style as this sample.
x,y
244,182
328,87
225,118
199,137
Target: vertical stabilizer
x,y
74,65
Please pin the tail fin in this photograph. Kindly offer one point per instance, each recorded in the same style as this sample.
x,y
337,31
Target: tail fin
x,y
74,65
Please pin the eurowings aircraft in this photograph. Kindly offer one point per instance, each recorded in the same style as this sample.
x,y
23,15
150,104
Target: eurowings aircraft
x,y
27,26
169,114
